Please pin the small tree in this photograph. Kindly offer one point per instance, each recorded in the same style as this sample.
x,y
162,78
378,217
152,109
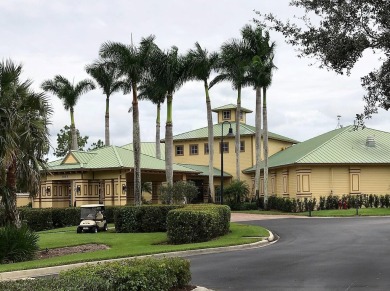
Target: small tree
x,y
236,192
179,192
64,141
96,145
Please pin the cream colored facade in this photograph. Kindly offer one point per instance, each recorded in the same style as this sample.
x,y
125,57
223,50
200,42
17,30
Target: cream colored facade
x,y
194,150
322,180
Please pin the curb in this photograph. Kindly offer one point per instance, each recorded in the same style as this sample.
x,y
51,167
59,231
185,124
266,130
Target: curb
x,y
49,271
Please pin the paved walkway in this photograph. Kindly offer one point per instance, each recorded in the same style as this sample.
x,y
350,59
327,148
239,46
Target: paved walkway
x,y
238,217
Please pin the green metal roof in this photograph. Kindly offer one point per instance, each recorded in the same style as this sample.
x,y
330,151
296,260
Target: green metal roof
x,y
245,129
204,170
231,106
148,148
340,146
112,157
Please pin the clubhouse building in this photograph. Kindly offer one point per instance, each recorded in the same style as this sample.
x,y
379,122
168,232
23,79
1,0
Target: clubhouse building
x,y
342,161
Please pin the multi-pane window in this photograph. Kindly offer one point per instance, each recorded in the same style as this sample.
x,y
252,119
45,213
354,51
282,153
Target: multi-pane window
x,y
179,150
242,146
206,149
225,147
193,149
226,114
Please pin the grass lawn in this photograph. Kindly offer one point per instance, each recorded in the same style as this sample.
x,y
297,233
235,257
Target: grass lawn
x,y
126,244
328,213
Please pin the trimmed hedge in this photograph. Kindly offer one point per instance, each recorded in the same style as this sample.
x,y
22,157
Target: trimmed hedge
x,y
146,218
148,274
197,223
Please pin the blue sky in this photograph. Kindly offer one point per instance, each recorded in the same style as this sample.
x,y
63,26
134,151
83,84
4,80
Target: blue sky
x,y
62,37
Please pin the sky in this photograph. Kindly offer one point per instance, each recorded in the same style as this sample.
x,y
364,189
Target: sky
x,y
61,37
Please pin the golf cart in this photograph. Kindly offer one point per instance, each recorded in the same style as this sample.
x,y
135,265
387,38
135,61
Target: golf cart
x,y
92,218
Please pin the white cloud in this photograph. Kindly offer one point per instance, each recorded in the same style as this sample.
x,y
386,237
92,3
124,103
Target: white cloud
x,y
61,37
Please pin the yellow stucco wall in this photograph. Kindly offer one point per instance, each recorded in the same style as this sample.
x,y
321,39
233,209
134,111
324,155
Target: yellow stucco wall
x,y
333,179
232,116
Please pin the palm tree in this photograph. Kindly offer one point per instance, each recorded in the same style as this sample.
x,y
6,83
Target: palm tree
x,y
232,67
261,54
150,90
69,94
171,71
132,62
202,63
107,76
24,138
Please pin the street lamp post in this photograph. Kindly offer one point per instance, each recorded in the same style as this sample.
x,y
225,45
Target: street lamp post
x,y
230,133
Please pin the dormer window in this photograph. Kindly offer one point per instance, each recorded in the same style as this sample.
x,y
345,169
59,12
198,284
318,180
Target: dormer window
x,y
226,114
241,116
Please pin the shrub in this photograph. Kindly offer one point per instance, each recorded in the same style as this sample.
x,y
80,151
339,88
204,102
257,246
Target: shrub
x,y
179,192
236,192
197,223
17,244
137,274
37,219
147,218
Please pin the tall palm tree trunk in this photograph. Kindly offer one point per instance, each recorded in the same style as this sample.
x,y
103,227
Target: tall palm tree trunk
x,y
258,141
107,122
9,197
74,145
211,141
169,142
158,149
237,139
265,141
136,148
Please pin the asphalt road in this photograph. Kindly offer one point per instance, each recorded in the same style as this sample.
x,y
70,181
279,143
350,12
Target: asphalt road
x,y
311,254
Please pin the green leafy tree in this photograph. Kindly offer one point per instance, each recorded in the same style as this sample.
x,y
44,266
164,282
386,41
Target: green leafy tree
x,y
132,62
171,71
69,94
64,141
24,138
96,145
232,66
261,54
236,192
202,64
180,192
345,31
108,77
152,91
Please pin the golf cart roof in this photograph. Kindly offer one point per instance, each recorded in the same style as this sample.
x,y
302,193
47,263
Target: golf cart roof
x,y
92,205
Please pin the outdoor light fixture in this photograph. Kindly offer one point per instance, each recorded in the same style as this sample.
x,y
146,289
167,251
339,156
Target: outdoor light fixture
x,y
230,133
78,189
124,188
48,190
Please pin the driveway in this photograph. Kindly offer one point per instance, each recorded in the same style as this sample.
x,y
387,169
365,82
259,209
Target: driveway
x,y
311,254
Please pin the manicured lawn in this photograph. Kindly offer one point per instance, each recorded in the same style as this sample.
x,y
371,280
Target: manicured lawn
x,y
126,244
328,213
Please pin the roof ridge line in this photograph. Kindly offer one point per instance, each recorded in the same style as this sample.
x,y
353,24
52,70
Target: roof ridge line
x,y
117,156
323,144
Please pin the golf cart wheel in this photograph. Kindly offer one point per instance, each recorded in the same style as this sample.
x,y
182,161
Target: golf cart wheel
x,y
94,229
79,230
105,227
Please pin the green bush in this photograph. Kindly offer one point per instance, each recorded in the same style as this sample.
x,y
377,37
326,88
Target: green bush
x,y
236,192
140,274
17,244
291,205
37,219
197,223
146,218
179,192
